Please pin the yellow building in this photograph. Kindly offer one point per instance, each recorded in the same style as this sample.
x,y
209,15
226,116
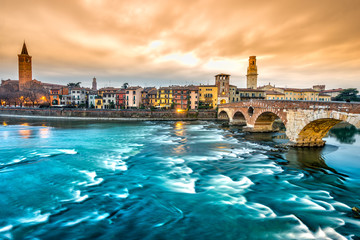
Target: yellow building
x,y
99,103
274,95
152,96
242,94
208,96
164,97
301,94
324,97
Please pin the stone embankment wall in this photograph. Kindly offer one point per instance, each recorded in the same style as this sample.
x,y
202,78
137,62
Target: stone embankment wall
x,y
126,114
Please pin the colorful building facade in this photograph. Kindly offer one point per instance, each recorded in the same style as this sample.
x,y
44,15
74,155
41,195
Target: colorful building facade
x,y
99,102
194,97
165,97
121,99
274,95
133,97
208,96
181,97
152,96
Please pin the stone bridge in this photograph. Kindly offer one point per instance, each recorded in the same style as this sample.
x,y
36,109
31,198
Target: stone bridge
x,y
306,122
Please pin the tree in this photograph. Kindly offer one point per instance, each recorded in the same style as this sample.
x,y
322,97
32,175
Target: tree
x,y
112,105
125,85
22,98
32,96
3,96
349,94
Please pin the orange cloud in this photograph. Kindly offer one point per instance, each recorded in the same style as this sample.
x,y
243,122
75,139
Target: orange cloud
x,y
298,43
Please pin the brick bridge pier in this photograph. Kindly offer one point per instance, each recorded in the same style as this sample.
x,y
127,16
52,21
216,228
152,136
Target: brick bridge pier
x,y
306,122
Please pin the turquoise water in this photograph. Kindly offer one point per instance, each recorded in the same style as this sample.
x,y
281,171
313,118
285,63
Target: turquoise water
x,y
173,180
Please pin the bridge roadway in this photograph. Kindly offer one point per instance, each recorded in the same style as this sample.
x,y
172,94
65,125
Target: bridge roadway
x,y
306,122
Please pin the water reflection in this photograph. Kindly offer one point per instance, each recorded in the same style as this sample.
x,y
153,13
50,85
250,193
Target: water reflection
x,y
5,134
344,133
180,132
179,129
311,159
44,132
25,133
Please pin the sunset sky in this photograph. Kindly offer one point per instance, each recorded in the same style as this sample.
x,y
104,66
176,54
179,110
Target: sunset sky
x,y
159,43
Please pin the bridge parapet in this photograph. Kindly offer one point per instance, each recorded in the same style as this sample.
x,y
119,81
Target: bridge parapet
x,y
288,104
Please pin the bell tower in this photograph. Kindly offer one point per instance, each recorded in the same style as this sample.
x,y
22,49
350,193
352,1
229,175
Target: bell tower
x,y
222,82
25,71
94,85
252,73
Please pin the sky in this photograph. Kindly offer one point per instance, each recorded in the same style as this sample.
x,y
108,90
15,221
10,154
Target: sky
x,y
298,43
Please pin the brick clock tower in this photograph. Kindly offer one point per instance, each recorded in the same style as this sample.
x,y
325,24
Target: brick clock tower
x,y
25,71
252,73
222,82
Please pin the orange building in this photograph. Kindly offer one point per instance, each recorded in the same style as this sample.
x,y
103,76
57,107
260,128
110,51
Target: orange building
x,y
56,95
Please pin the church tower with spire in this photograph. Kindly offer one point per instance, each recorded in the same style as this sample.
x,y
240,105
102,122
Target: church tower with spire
x,y
252,73
25,71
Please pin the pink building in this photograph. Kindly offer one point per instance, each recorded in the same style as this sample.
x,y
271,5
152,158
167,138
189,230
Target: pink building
x,y
194,97
133,97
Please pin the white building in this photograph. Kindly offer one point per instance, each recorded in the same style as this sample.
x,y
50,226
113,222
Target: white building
x,y
78,96
65,100
91,100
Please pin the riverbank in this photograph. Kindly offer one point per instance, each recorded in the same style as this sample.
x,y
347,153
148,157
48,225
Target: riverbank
x,y
116,115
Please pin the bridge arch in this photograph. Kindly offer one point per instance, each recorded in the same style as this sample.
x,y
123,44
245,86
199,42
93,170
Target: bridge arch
x,y
224,115
264,121
314,130
239,118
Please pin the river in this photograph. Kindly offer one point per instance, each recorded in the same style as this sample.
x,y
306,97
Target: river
x,y
173,180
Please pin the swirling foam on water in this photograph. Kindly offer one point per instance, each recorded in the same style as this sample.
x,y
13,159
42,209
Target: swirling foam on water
x,y
166,179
